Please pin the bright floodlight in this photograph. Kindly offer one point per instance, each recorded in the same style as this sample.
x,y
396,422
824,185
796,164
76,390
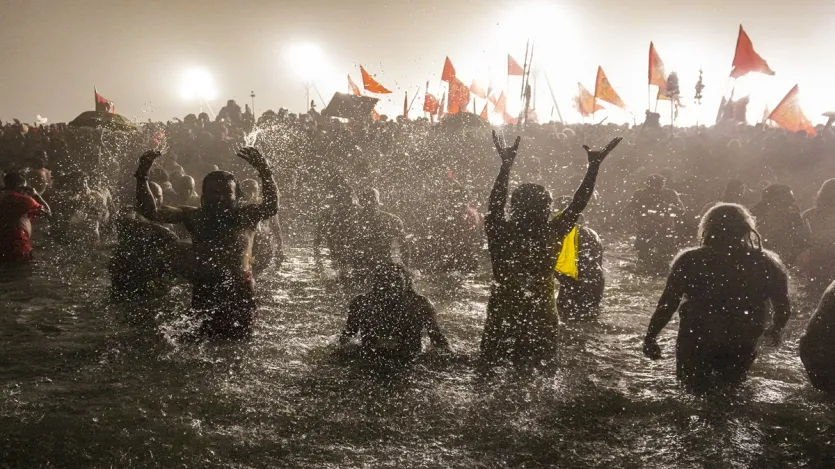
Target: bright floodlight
x,y
198,84
307,60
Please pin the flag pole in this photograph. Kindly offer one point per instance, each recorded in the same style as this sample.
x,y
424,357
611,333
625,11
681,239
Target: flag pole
x,y
554,99
417,92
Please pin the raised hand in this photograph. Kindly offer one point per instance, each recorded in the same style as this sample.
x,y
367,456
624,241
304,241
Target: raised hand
x,y
651,349
146,161
506,153
253,157
597,156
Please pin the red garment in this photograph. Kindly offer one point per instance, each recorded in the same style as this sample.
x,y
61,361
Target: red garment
x,y
16,212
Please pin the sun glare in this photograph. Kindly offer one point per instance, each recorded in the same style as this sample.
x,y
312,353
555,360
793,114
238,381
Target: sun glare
x,y
198,84
307,60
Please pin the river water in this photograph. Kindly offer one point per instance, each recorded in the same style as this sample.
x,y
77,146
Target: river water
x,y
88,384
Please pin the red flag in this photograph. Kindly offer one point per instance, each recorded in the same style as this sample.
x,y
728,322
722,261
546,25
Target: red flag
x,y
747,60
355,90
789,116
656,69
478,90
441,106
513,67
103,104
500,106
585,103
459,96
406,105
483,114
430,104
603,90
449,71
509,120
371,84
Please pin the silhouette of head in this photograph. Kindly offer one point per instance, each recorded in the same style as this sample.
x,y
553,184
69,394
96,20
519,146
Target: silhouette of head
x,y
392,277
729,226
778,196
734,191
14,180
183,185
220,190
530,204
251,190
370,198
826,195
656,182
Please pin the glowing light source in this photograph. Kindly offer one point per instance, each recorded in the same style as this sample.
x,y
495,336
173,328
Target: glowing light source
x,y
198,84
307,60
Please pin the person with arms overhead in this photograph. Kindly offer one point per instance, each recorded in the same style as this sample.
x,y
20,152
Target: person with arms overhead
x,y
222,232
521,313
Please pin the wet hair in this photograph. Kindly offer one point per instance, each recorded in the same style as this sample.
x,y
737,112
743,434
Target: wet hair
x,y
389,274
14,180
728,225
225,177
656,181
528,199
369,197
826,195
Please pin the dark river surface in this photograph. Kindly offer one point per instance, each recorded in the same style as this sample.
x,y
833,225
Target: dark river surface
x,y
88,384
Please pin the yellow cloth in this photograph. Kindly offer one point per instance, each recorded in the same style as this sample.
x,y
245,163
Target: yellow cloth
x,y
567,260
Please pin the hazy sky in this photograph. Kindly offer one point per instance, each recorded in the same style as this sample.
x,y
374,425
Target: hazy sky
x,y
135,51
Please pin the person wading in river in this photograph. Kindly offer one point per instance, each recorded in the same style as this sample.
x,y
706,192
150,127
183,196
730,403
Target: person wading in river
x,y
19,204
222,233
721,290
521,316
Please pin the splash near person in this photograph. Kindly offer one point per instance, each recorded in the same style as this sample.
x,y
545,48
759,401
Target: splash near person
x,y
521,319
19,205
721,290
222,232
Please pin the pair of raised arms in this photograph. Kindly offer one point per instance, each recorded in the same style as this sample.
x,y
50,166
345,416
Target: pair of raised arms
x,y
248,154
508,152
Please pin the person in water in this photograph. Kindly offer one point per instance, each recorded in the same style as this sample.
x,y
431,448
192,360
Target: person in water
x,y
656,211
375,234
335,227
818,344
19,205
392,317
146,258
521,318
222,232
579,298
721,291
781,224
79,210
818,263
268,245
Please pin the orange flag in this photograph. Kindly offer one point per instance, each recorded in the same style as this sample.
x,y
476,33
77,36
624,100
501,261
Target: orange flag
x,y
500,106
585,103
449,71
656,69
371,84
355,90
789,116
513,67
483,114
478,90
459,96
510,120
603,90
747,60
441,106
430,103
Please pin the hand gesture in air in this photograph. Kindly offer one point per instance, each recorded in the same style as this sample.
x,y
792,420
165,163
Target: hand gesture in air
x,y
507,153
597,156
254,158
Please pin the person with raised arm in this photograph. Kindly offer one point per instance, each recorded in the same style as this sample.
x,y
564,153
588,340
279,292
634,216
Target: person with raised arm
x,y
222,232
521,319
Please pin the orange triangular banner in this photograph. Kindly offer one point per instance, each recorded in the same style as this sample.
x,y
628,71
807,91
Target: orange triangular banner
x,y
746,60
513,67
449,71
500,106
789,116
352,87
656,69
603,90
483,114
477,90
585,103
371,84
